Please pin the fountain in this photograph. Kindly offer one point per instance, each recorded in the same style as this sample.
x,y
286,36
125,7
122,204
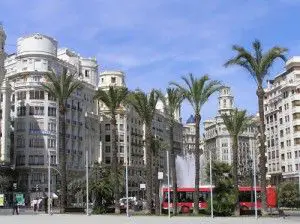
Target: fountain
x,y
185,167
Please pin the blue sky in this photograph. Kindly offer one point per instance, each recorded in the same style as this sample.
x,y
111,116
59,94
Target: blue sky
x,y
158,41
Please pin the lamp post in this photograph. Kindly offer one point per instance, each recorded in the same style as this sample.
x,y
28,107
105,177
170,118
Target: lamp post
x,y
168,170
211,188
254,181
126,165
87,172
49,182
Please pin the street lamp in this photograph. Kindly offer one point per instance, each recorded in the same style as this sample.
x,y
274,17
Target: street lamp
x,y
211,188
49,182
254,181
87,172
126,165
168,170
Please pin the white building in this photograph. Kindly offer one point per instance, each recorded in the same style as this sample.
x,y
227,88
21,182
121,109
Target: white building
x,y
217,138
5,91
131,135
35,113
282,119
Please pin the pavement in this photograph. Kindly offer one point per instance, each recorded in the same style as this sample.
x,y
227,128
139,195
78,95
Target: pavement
x,y
28,216
74,218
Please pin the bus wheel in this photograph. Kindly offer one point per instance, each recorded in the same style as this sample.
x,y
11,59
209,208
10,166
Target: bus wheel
x,y
185,210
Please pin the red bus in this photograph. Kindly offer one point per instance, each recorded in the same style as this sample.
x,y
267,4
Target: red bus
x,y
246,197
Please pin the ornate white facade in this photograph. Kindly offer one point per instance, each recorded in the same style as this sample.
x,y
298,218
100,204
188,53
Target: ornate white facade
x,y
217,138
35,113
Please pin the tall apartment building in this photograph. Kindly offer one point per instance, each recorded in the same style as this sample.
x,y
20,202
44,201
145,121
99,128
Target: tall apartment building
x,y
282,119
131,135
5,91
34,112
217,138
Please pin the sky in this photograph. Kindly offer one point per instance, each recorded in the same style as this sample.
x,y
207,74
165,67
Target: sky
x,y
158,41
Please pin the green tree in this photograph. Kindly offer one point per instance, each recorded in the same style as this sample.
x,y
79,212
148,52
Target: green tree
x,y
145,106
289,195
101,186
258,65
61,86
114,98
197,91
172,102
236,123
225,196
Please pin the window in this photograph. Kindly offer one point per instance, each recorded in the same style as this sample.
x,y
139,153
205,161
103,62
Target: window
x,y
52,111
113,79
36,125
107,127
224,144
20,142
107,149
36,94
21,111
53,160
20,125
280,120
36,110
52,126
20,160
121,138
121,160
36,160
51,143
107,160
121,127
51,97
36,143
121,149
107,138
87,73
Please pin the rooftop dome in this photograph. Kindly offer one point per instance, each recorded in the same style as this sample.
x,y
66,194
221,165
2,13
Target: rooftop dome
x,y
191,120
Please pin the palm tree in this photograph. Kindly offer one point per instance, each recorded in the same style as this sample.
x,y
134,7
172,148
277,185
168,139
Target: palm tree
x,y
172,103
61,87
258,65
197,91
145,106
236,123
113,98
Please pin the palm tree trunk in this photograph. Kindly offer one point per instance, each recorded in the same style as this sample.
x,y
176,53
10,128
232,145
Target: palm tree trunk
x,y
114,163
63,162
148,136
197,163
173,170
235,173
262,148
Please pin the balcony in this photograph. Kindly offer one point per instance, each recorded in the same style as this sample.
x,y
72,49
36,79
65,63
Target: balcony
x,y
80,123
74,137
79,109
295,109
74,122
68,105
74,107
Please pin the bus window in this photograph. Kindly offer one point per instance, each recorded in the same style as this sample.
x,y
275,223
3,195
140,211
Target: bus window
x,y
203,196
185,196
245,196
166,196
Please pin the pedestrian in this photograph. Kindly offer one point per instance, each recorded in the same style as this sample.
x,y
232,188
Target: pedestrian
x,y
35,204
46,204
15,207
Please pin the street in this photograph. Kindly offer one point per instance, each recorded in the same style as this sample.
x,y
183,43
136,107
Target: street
x,y
57,219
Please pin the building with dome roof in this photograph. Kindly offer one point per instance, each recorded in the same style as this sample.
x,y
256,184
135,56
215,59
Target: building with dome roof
x,y
217,138
34,113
